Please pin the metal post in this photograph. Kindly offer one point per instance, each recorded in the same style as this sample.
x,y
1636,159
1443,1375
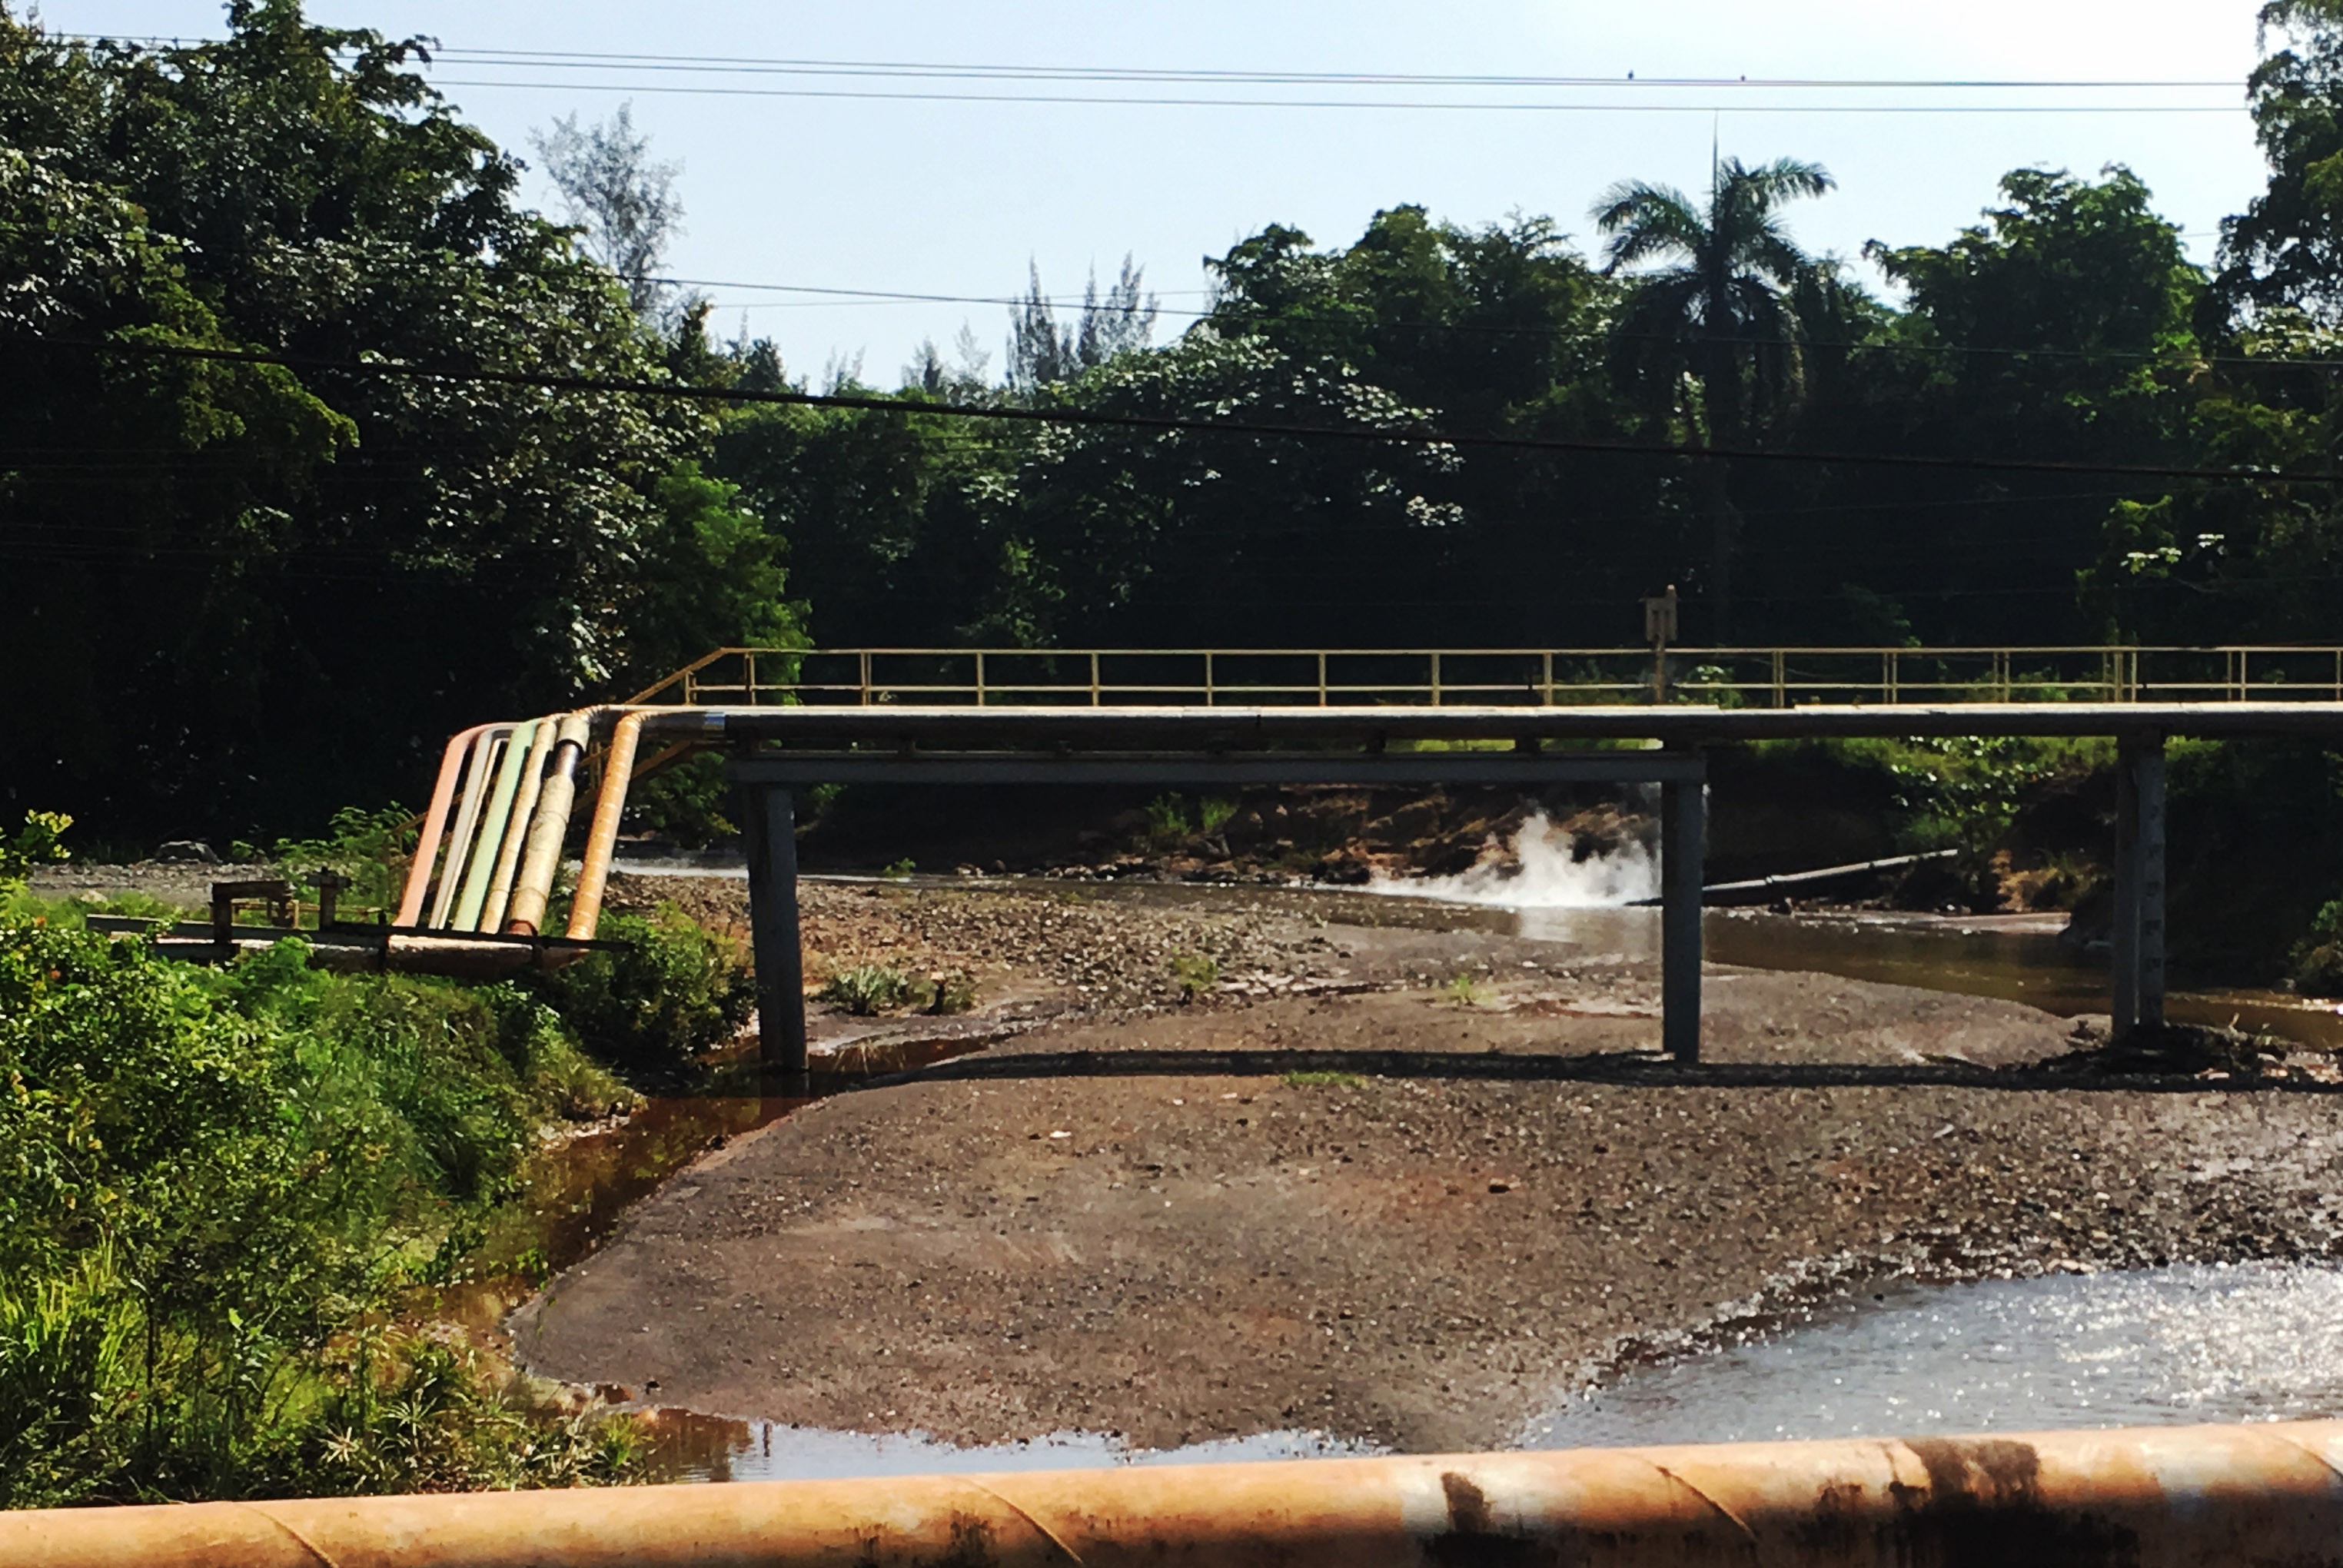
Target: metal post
x,y
1683,853
2138,936
771,824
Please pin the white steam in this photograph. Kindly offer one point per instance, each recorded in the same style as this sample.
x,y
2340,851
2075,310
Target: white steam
x,y
1545,874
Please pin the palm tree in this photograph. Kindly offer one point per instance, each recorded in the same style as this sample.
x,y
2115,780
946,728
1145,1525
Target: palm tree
x,y
1717,315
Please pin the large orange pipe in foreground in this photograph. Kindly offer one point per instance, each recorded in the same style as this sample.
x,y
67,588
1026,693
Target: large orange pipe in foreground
x,y
2186,1495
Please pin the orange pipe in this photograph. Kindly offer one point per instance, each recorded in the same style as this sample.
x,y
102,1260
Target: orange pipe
x,y
611,807
435,822
2157,1498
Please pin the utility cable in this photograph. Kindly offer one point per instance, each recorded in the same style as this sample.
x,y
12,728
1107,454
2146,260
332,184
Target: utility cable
x,y
688,392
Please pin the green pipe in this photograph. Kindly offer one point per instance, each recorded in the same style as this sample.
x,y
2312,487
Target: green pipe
x,y
492,835
542,860
459,843
532,781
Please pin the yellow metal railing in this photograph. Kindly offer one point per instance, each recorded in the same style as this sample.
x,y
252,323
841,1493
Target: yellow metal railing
x,y
1564,677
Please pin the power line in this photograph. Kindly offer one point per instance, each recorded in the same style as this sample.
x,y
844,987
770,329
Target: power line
x,y
1135,101
962,70
685,391
655,65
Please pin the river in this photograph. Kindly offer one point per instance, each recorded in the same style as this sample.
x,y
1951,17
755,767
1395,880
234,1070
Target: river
x,y
2180,1344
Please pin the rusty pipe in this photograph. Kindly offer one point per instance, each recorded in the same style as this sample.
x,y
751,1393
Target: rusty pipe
x,y
532,781
2156,1498
435,822
541,860
610,803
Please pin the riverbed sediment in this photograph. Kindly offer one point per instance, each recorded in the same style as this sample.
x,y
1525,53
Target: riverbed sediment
x,y
1132,1219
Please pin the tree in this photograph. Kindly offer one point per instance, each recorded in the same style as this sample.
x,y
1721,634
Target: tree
x,y
623,201
1042,354
282,587
1719,308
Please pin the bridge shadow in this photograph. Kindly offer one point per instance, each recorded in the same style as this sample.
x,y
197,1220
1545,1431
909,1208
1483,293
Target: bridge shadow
x,y
1631,1069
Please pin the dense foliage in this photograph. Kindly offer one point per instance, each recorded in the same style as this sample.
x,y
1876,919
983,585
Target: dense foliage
x,y
265,587
210,1185
262,590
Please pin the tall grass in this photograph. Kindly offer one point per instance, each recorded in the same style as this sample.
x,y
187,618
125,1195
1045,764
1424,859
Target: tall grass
x,y
212,1186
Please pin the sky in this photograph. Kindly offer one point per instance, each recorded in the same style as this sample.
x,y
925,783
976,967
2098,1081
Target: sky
x,y
908,195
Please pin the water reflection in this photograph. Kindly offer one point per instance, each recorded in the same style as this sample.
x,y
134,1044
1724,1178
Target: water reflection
x,y
686,1446
2253,1341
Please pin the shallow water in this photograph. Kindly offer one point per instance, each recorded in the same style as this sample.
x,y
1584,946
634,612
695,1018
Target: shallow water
x,y
690,1447
2149,1347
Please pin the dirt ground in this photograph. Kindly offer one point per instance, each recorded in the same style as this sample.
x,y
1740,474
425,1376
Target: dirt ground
x,y
1406,1208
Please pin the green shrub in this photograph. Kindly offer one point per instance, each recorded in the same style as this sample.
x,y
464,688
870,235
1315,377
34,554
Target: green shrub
x,y
673,991
372,848
1197,974
867,989
40,841
1166,820
212,1180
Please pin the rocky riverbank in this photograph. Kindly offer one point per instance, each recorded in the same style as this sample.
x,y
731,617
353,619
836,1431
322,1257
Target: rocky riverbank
x,y
1401,1184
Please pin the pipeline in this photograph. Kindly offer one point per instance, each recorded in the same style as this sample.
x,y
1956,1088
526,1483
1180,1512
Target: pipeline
x,y
435,822
541,859
468,815
2155,1498
610,803
504,850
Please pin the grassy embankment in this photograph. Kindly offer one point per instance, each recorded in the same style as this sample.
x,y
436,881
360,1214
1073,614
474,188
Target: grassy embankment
x,y
220,1190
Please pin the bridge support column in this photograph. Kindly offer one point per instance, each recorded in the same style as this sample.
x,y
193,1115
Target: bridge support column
x,y
771,830
1683,866
2138,937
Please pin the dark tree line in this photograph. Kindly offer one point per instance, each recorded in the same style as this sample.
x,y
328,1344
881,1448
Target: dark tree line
x,y
247,591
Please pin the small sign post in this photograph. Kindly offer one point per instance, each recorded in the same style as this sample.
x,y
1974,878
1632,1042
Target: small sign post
x,y
1659,630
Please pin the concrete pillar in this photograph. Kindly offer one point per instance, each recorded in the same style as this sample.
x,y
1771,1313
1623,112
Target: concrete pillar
x,y
1683,866
771,830
2139,935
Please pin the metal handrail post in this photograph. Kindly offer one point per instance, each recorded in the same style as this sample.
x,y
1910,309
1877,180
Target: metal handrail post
x,y
979,679
1094,678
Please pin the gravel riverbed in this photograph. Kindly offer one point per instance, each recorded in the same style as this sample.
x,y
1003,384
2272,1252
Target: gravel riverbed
x,y
1353,1192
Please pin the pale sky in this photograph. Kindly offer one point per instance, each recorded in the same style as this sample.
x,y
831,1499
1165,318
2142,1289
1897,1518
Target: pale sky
x,y
952,197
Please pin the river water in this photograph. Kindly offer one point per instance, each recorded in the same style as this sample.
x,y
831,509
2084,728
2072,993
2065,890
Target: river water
x,y
2148,1347
2257,1341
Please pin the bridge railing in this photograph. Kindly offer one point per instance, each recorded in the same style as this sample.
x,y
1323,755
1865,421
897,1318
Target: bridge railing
x,y
1583,676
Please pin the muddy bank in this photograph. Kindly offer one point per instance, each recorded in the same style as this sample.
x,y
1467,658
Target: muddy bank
x,y
1421,1250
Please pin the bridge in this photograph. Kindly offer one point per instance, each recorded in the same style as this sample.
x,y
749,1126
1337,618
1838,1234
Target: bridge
x,y
494,838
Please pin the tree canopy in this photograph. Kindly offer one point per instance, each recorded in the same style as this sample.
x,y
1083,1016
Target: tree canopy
x,y
257,589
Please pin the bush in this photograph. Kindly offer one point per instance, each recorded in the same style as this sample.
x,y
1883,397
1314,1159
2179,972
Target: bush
x,y
38,842
1197,973
211,1181
867,989
372,848
673,991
